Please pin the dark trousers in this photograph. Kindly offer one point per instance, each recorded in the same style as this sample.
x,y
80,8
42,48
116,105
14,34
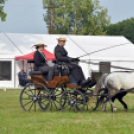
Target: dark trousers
x,y
47,72
77,72
23,82
44,69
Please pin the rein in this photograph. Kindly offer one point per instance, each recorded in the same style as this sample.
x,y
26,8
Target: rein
x,y
112,66
107,48
118,92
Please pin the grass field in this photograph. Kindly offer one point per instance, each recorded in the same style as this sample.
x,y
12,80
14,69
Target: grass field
x,y
13,120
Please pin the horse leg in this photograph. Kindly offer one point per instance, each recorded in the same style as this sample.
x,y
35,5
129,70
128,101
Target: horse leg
x,y
123,103
113,99
104,104
114,109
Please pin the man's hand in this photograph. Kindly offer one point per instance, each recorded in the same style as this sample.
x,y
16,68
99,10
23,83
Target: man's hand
x,y
74,60
77,59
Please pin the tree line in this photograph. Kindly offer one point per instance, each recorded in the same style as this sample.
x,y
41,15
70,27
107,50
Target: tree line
x,y
85,18
125,28
80,17
2,14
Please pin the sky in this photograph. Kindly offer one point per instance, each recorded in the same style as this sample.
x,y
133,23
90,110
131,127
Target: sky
x,y
26,16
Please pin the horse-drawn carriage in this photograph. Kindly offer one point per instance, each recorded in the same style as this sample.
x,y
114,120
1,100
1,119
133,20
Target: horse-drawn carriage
x,y
57,90
61,92
57,87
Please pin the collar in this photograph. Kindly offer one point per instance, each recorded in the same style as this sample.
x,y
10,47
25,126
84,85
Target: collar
x,y
60,45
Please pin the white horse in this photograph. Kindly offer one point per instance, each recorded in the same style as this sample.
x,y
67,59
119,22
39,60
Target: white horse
x,y
114,82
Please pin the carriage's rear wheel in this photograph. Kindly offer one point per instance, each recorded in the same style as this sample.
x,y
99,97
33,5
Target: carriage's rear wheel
x,y
72,100
31,95
44,99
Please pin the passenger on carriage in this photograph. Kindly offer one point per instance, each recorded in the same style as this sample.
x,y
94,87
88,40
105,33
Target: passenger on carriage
x,y
40,61
76,73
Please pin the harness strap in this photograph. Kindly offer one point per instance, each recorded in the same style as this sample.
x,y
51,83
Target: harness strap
x,y
112,66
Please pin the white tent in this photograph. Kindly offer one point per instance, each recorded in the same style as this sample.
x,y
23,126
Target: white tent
x,y
14,44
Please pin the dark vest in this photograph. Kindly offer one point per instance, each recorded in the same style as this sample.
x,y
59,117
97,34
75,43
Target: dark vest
x,y
61,54
39,60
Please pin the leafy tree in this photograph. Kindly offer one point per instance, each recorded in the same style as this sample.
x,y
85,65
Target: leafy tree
x,y
85,17
125,28
2,14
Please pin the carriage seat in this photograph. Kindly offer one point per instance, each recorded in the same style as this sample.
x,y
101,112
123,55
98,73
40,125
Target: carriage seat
x,y
61,70
35,72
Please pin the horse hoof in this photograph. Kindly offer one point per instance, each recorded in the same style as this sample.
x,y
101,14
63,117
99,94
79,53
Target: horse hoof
x,y
114,109
104,111
125,110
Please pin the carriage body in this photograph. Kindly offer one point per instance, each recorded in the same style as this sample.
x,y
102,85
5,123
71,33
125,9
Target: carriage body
x,y
56,81
58,91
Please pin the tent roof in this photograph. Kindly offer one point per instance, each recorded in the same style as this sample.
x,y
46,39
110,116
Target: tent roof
x,y
76,45
6,56
30,56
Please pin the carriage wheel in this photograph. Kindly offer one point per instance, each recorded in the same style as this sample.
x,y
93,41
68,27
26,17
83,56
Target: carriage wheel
x,y
55,97
72,100
31,95
44,98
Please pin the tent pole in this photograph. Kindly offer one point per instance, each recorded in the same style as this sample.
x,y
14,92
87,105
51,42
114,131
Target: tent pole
x,y
89,69
14,73
23,64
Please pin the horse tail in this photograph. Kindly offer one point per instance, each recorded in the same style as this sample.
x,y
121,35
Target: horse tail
x,y
98,88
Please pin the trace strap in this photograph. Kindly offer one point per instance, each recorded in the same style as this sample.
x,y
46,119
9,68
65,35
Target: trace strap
x,y
112,66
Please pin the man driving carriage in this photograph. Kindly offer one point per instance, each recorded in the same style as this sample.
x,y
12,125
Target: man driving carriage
x,y
75,70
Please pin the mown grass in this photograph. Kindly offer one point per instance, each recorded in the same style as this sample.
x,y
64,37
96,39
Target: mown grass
x,y
13,120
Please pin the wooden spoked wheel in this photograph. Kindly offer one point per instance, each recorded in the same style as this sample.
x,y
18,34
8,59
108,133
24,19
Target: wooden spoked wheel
x,y
72,100
55,95
31,95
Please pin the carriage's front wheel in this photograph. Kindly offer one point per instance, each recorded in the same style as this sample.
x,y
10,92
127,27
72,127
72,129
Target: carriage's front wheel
x,y
31,95
72,100
44,99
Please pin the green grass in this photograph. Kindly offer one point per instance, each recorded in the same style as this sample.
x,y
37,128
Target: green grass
x,y
13,120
